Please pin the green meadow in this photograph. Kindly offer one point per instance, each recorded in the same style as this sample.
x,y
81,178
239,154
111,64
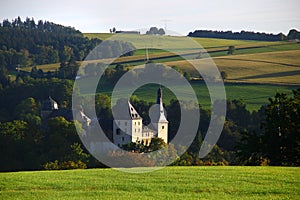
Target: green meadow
x,y
254,95
212,182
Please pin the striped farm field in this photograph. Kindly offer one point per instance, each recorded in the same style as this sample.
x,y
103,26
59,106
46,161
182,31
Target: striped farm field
x,y
280,67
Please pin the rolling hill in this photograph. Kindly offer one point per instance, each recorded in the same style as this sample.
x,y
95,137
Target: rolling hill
x,y
254,73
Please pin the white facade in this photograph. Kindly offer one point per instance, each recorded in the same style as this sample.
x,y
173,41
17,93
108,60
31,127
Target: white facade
x,y
126,131
131,129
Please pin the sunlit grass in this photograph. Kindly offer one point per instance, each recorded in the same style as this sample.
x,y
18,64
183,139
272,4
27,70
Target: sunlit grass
x,y
168,183
281,67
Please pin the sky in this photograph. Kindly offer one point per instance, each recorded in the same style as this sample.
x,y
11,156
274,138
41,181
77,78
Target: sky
x,y
270,16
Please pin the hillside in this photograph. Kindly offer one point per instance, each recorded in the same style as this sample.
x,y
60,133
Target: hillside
x,y
265,67
252,62
255,72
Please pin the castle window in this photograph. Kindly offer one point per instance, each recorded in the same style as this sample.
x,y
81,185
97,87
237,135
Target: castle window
x,y
134,123
163,127
122,139
139,123
135,130
118,131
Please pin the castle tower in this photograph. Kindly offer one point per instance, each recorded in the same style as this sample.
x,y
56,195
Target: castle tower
x,y
162,123
127,127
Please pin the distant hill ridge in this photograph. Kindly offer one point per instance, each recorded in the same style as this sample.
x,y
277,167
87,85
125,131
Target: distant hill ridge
x,y
245,35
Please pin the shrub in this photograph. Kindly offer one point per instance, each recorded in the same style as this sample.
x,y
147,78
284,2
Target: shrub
x,y
56,165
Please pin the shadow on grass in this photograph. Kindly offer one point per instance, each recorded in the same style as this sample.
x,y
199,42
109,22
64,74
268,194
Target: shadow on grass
x,y
272,75
261,61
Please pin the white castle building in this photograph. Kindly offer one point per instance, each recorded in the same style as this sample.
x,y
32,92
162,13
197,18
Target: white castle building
x,y
129,127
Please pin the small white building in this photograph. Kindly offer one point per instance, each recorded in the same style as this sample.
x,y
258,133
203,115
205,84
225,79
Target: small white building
x,y
128,127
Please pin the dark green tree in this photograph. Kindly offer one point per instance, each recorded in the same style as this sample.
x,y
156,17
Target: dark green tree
x,y
282,129
224,75
231,50
161,31
156,144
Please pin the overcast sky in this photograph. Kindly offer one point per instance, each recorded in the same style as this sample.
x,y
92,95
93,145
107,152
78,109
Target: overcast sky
x,y
183,16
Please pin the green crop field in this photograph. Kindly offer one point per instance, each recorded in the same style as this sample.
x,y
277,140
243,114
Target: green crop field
x,y
168,183
254,95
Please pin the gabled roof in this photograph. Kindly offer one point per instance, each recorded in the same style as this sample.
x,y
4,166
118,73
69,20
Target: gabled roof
x,y
132,112
124,110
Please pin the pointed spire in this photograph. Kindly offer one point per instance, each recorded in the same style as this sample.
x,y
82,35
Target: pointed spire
x,y
162,117
159,95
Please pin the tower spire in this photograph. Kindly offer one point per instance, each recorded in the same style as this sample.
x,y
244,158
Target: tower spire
x,y
159,95
162,117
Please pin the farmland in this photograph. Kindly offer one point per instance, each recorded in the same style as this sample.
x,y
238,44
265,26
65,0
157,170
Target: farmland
x,y
255,72
280,67
180,41
168,183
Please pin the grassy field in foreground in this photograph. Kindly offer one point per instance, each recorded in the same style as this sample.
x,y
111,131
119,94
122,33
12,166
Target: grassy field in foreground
x,y
168,183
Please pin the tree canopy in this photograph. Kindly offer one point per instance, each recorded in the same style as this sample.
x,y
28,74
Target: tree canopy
x,y
243,35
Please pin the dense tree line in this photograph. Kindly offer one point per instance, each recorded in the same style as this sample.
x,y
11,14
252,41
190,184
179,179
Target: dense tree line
x,y
243,35
26,43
